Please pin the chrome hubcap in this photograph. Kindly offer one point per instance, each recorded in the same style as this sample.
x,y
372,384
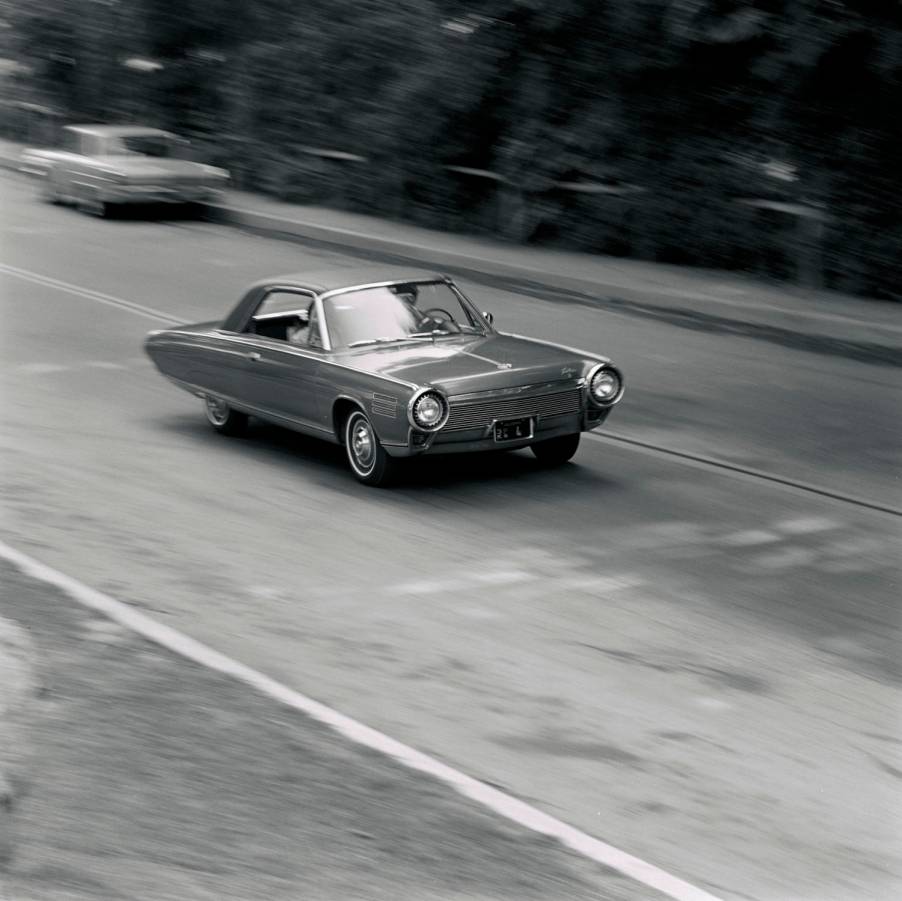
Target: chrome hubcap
x,y
362,444
217,410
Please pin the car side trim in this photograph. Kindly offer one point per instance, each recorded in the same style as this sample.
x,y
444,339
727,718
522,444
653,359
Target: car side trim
x,y
297,350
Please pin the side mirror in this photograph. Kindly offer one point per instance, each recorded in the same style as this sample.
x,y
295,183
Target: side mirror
x,y
489,318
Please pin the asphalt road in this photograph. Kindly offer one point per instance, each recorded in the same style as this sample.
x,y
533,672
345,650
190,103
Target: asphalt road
x,y
150,778
699,668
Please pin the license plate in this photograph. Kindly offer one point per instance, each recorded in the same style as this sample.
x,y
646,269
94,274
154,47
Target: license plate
x,y
512,429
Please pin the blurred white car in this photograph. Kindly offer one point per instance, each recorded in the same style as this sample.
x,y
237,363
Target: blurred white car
x,y
99,166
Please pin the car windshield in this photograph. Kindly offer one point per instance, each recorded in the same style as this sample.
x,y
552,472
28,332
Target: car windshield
x,y
143,145
399,312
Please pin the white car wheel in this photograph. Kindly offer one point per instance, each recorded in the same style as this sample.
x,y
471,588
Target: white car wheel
x,y
366,455
222,417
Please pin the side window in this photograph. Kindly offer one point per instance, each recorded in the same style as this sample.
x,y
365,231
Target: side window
x,y
282,302
71,141
283,315
92,145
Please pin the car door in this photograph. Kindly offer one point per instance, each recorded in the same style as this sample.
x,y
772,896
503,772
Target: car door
x,y
279,378
217,362
64,172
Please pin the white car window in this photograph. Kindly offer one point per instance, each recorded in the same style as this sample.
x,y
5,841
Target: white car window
x,y
397,312
283,302
71,141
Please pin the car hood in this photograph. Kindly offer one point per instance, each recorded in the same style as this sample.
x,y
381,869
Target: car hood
x,y
462,365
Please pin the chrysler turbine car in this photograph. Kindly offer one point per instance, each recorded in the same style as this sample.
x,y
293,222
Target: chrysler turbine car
x,y
390,365
100,167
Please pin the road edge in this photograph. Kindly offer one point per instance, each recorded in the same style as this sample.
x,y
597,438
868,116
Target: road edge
x,y
18,690
500,803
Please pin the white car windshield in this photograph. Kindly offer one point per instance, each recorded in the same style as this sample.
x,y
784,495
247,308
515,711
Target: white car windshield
x,y
399,312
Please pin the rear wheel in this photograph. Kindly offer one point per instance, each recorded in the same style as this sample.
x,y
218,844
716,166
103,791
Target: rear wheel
x,y
98,208
89,202
49,190
369,461
223,418
555,451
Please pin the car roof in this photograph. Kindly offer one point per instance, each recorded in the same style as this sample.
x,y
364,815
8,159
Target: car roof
x,y
118,130
335,278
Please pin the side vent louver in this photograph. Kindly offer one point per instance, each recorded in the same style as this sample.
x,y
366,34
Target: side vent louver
x,y
385,405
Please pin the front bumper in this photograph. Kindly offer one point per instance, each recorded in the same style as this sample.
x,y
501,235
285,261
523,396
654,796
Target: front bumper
x,y
466,441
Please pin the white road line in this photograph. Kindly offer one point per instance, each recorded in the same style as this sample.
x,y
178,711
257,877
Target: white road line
x,y
41,368
700,461
750,538
427,586
437,586
602,584
104,364
503,577
108,299
503,804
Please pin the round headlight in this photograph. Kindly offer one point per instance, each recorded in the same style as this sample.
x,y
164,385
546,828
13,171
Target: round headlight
x,y
605,386
428,410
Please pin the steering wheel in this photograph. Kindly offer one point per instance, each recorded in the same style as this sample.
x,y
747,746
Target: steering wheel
x,y
444,320
445,314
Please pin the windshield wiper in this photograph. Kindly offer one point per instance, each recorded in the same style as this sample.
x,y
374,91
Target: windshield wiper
x,y
434,333
366,341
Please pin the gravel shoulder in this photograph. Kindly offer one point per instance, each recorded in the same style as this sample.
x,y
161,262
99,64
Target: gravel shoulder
x,y
152,778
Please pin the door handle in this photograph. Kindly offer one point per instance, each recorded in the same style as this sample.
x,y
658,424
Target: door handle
x,y
254,357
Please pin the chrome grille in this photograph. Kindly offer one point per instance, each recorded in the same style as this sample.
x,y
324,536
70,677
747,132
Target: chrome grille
x,y
480,414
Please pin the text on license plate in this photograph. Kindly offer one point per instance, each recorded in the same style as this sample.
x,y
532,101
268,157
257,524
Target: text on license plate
x,y
512,429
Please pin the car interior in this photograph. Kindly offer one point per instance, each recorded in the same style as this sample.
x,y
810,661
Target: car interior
x,y
278,327
293,326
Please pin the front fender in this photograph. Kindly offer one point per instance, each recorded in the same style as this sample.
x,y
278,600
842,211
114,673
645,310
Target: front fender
x,y
384,404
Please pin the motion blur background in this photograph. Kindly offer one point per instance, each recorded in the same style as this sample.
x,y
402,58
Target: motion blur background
x,y
683,643
762,136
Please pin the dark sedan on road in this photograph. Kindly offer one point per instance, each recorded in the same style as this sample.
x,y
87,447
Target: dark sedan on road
x,y
389,365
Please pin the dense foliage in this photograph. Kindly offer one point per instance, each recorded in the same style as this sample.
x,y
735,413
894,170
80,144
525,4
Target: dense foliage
x,y
678,108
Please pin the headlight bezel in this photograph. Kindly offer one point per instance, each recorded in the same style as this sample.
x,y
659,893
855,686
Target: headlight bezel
x,y
597,370
412,405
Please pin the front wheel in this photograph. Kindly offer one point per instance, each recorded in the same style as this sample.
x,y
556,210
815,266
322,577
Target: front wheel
x,y
223,418
369,461
101,209
89,201
555,451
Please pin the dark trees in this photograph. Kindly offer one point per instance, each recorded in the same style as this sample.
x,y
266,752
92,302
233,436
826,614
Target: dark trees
x,y
697,102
